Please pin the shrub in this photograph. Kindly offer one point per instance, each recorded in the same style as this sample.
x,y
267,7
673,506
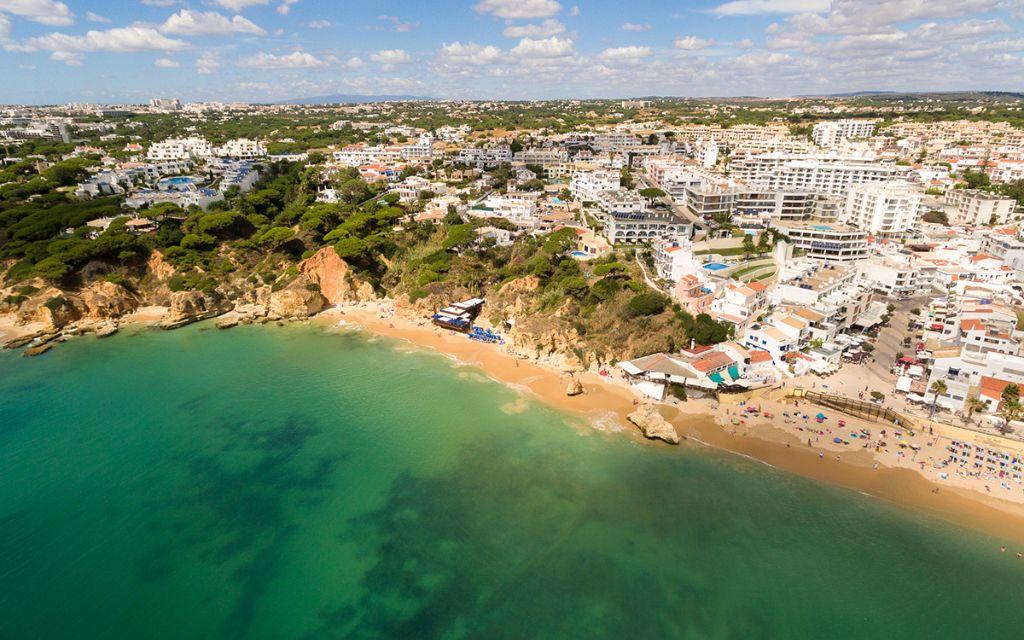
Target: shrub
x,y
648,304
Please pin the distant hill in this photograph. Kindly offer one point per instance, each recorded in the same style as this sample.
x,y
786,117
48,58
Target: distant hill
x,y
349,98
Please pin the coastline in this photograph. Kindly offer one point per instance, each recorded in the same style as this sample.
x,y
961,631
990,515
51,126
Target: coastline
x,y
696,422
607,400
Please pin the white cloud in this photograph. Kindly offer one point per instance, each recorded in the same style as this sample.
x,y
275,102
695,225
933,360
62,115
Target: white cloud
x,y
208,63
95,17
394,23
354,62
208,23
635,26
50,12
691,43
319,24
166,63
388,57
120,40
519,9
293,60
746,43
755,7
547,48
631,54
546,29
5,28
286,6
70,58
238,5
574,11
470,53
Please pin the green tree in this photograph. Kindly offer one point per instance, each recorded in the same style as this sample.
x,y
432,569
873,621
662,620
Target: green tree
x,y
748,245
1010,406
938,388
973,404
647,304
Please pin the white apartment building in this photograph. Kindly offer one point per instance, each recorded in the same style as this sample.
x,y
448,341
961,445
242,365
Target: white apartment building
x,y
587,185
483,157
887,209
829,242
821,173
895,276
619,200
180,149
543,156
518,207
833,291
974,207
833,132
243,149
706,153
420,151
673,258
615,142
359,154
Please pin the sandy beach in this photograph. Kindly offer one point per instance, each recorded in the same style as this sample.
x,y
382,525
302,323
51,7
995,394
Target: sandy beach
x,y
703,423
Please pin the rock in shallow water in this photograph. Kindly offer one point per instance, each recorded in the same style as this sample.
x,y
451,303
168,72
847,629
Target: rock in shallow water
x,y
653,425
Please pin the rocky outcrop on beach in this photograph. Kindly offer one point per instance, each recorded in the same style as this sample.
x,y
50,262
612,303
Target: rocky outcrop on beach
x,y
297,300
51,307
187,307
37,350
102,299
575,388
105,329
337,282
653,425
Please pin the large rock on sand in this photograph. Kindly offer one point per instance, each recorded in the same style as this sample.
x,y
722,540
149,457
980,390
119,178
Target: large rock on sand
x,y
336,280
574,388
192,306
296,301
653,425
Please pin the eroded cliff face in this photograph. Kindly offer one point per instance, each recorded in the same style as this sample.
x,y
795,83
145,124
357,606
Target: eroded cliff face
x,y
57,308
295,301
335,278
191,306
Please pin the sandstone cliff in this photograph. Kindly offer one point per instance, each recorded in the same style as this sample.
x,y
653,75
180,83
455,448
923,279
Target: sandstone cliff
x,y
335,278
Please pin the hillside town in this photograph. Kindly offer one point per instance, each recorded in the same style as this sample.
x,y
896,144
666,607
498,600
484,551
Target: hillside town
x,y
869,250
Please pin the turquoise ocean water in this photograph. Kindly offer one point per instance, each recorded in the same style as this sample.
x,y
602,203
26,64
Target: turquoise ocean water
x,y
294,483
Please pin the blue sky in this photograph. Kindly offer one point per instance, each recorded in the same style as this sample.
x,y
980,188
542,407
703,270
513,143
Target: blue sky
x,y
261,50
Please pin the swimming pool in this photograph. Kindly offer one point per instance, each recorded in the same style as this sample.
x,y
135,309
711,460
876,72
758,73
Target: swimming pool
x,y
580,255
180,180
715,266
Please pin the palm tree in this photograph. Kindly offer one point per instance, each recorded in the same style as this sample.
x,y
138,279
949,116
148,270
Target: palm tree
x,y
938,388
974,403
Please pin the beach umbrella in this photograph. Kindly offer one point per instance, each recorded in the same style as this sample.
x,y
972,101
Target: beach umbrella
x,y
837,440
821,416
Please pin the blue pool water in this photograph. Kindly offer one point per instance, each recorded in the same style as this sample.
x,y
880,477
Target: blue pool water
x,y
180,180
580,254
715,266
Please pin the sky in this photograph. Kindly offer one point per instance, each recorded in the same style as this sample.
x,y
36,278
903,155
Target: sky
x,y
113,51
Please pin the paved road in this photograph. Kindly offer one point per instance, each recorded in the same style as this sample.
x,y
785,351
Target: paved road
x,y
890,338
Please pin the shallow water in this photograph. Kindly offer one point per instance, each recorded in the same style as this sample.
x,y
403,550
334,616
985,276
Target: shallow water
x,y
294,483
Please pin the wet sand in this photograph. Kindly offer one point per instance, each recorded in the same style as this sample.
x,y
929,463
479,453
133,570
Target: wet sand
x,y
604,398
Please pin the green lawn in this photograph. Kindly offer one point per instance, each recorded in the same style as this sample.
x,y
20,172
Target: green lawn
x,y
747,269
